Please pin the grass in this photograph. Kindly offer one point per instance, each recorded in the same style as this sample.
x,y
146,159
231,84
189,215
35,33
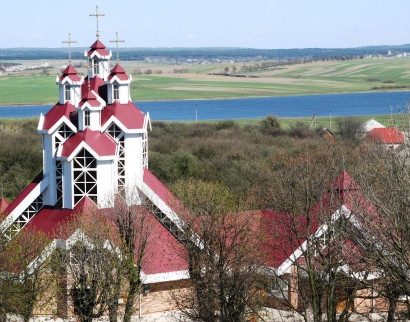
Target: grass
x,y
302,79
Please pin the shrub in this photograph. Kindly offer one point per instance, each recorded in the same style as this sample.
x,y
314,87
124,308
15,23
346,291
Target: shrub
x,y
226,124
270,122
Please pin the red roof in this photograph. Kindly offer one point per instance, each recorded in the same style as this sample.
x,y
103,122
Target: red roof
x,y
157,186
128,114
71,73
98,47
56,113
24,193
101,143
48,219
287,232
90,98
165,253
388,135
119,72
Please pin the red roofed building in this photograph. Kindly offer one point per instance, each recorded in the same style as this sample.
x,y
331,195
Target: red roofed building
x,y
390,136
95,146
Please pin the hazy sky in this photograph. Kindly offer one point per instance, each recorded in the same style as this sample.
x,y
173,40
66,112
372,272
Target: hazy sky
x,y
207,23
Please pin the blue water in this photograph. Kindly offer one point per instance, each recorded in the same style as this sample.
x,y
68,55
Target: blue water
x,y
283,106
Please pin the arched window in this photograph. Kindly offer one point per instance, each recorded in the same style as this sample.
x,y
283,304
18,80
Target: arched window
x,y
85,176
116,92
96,67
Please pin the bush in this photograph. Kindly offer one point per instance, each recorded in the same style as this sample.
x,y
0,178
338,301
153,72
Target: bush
x,y
226,124
270,122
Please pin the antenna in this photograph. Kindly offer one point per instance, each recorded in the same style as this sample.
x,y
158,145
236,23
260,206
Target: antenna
x,y
117,41
96,15
69,42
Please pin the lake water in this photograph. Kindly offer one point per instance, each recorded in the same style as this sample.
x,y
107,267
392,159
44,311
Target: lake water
x,y
283,106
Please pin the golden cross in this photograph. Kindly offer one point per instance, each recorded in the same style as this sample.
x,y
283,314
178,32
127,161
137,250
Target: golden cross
x,y
117,41
96,15
69,42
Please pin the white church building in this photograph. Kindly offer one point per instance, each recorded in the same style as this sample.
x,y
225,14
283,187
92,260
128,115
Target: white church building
x,y
95,145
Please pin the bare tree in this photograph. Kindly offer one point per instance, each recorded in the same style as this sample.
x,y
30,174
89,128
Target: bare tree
x,y
221,248
386,183
133,228
309,228
87,262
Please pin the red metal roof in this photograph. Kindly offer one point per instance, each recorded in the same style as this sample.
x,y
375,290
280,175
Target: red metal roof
x,y
24,193
56,113
101,143
165,253
119,72
98,47
90,98
95,83
71,73
388,135
288,232
49,218
157,186
128,114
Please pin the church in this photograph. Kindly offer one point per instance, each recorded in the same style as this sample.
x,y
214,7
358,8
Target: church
x,y
95,146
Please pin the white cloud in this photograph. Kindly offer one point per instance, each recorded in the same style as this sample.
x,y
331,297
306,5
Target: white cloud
x,y
190,36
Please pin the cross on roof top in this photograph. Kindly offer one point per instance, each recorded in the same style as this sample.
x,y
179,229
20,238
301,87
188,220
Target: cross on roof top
x,y
96,15
69,42
117,41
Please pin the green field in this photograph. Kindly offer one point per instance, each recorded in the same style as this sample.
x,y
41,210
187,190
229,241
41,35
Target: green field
x,y
359,75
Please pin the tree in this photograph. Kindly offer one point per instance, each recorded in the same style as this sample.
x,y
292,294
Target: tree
x,y
88,262
221,248
133,228
226,70
307,221
349,128
270,122
25,280
386,183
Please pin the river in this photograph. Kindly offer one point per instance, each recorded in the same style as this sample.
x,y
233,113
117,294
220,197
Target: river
x,y
283,106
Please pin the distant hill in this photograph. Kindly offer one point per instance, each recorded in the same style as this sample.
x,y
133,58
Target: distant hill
x,y
204,53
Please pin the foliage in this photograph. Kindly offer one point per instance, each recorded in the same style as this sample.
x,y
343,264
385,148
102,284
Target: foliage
x,y
270,122
26,278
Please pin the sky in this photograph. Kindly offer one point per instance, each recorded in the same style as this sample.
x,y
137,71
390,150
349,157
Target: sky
x,y
264,24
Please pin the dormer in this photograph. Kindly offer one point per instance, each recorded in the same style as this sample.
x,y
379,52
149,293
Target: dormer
x,y
89,111
118,86
69,86
98,60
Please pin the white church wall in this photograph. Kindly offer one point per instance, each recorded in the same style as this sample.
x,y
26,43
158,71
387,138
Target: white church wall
x,y
105,183
49,169
133,152
68,201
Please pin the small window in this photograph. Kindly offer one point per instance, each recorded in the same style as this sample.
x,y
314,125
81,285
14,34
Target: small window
x,y
279,287
67,92
86,118
116,93
96,67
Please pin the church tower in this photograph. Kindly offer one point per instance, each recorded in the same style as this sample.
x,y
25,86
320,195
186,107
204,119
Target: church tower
x,y
94,138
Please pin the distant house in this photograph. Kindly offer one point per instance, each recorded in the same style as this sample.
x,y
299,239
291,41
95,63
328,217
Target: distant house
x,y
391,136
370,125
